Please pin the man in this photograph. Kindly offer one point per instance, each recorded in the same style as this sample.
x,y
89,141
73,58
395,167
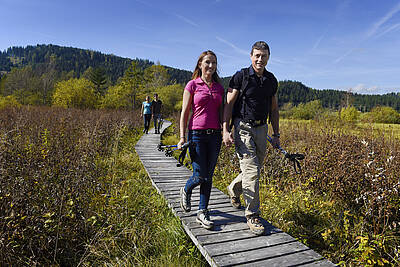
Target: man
x,y
251,100
156,105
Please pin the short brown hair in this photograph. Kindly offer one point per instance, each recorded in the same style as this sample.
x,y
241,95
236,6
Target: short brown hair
x,y
260,45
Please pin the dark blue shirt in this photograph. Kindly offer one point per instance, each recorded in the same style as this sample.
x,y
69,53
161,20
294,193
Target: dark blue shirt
x,y
255,101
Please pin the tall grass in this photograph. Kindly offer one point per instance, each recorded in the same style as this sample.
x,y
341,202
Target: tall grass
x,y
345,204
72,192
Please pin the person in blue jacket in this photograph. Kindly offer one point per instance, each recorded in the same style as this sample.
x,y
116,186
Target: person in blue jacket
x,y
146,114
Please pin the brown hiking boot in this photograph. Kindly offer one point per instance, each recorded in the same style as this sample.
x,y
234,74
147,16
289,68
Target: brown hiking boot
x,y
255,225
235,201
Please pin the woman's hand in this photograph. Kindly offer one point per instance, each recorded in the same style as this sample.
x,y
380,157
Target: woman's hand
x,y
181,143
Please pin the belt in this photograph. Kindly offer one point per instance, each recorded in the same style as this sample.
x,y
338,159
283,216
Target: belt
x,y
206,131
255,123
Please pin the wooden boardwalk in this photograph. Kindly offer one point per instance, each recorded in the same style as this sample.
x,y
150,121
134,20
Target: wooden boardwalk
x,y
230,243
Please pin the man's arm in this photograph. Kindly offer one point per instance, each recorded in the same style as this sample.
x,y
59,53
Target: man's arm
x,y
275,121
227,116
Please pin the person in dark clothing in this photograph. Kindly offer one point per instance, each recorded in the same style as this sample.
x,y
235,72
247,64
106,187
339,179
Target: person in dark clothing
x,y
251,100
156,106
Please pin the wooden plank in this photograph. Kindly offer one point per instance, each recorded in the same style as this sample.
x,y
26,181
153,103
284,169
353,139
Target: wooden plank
x,y
230,242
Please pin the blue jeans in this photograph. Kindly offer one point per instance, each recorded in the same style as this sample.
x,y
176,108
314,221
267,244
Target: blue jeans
x,y
157,119
204,154
146,119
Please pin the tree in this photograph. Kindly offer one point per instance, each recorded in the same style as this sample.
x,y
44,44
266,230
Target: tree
x,y
48,78
8,101
155,76
117,96
77,93
24,85
308,111
2,81
98,77
171,96
349,114
382,114
133,82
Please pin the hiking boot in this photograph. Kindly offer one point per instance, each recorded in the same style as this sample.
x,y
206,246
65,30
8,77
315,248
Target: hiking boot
x,y
203,218
235,201
185,200
255,225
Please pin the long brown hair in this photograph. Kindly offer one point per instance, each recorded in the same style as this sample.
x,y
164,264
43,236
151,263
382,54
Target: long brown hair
x,y
197,70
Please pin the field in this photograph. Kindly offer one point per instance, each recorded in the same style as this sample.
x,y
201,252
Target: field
x,y
73,192
345,203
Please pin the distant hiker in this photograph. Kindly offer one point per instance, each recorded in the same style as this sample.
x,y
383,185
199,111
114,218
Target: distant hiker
x,y
251,100
156,105
146,114
203,95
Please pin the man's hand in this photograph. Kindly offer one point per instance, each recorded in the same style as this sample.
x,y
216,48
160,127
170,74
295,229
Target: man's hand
x,y
227,138
276,142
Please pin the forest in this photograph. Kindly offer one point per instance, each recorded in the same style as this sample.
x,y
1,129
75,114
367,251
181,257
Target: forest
x,y
30,74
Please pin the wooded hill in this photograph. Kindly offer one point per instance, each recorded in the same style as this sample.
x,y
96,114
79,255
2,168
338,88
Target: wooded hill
x,y
78,60
68,59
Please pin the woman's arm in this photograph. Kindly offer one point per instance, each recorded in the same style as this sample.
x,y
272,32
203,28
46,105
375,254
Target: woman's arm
x,y
186,105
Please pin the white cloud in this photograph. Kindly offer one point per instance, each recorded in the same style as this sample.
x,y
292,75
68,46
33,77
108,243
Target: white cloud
x,y
376,26
372,90
344,55
237,49
394,27
373,31
188,21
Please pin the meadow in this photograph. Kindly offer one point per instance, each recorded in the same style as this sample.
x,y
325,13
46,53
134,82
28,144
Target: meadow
x,y
74,193
345,203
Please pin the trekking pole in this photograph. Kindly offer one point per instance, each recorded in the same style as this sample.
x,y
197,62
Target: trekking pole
x,y
292,157
162,147
169,150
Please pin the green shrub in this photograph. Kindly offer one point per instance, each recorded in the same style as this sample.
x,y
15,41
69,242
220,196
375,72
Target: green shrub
x,y
75,93
382,114
307,111
8,101
349,114
117,96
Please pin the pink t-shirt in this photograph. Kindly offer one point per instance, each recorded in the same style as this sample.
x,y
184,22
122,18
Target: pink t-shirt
x,y
205,104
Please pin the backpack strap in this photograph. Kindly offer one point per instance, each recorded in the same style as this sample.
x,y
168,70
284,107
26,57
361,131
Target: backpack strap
x,y
242,90
241,97
245,81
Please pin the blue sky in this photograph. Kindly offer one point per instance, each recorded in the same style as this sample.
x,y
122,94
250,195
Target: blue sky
x,y
332,44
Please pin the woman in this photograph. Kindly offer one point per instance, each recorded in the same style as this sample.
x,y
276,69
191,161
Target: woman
x,y
146,111
203,95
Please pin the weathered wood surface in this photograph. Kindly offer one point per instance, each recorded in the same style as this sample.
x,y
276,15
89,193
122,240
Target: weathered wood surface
x,y
230,243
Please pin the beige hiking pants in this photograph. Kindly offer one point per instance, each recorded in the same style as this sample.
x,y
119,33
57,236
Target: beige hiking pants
x,y
250,144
